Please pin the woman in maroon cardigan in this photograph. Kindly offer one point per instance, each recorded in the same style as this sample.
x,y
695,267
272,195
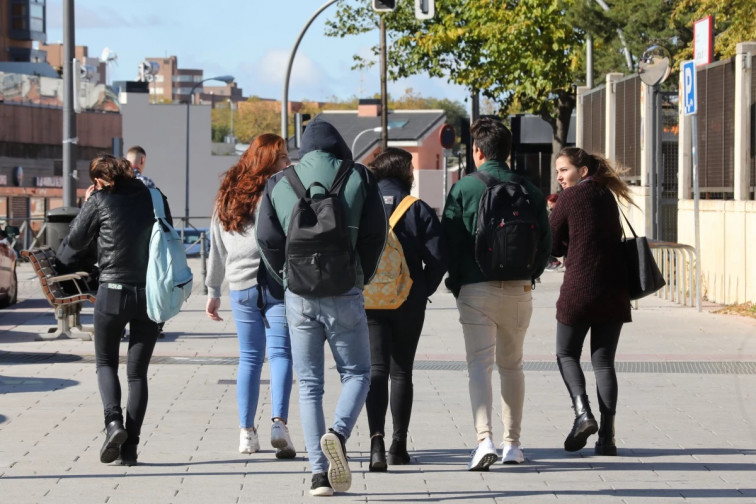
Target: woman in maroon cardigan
x,y
594,295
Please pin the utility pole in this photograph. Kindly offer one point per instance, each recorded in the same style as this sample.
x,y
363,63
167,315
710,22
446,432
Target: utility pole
x,y
69,116
384,94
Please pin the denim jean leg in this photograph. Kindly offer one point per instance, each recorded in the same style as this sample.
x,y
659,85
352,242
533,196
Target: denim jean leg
x,y
251,334
347,333
307,341
279,358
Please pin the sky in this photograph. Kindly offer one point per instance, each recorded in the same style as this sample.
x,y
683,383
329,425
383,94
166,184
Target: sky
x,y
249,39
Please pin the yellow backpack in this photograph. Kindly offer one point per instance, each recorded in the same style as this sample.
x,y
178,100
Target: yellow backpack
x,y
392,282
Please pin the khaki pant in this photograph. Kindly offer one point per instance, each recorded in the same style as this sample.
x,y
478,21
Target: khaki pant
x,y
495,317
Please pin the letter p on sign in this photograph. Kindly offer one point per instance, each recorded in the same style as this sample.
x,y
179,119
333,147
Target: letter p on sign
x,y
690,101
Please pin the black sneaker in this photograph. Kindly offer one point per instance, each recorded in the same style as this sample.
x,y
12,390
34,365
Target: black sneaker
x,y
333,445
320,485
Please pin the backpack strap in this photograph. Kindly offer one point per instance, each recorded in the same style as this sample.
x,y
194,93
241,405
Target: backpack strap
x,y
157,204
491,181
294,181
401,209
341,176
338,181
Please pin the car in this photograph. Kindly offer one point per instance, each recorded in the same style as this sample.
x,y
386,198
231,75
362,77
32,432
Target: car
x,y
192,241
8,256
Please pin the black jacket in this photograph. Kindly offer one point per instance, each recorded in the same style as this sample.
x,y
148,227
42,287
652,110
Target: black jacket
x,y
420,233
121,221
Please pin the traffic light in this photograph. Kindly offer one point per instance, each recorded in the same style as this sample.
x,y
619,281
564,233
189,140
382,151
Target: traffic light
x,y
425,9
384,5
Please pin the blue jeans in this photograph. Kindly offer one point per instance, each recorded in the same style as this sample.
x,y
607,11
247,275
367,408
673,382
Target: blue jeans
x,y
341,321
253,336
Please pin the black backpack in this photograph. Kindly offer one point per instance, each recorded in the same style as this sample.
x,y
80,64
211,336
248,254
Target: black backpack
x,y
319,256
506,234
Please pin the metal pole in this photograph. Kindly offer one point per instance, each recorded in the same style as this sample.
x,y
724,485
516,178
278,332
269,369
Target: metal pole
x,y
384,93
446,179
658,162
652,169
696,217
186,193
203,261
589,61
285,98
69,116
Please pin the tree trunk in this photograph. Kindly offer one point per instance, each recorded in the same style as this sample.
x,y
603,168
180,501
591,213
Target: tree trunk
x,y
560,127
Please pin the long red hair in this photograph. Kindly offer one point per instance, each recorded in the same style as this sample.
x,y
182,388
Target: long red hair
x,y
243,183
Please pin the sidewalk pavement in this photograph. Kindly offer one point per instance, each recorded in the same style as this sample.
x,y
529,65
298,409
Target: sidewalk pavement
x,y
686,422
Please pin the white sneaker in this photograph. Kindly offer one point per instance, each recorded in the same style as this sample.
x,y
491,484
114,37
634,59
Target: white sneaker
x,y
483,456
248,442
279,438
511,454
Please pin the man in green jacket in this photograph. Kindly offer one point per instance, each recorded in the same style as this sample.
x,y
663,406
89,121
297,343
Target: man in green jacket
x,y
494,314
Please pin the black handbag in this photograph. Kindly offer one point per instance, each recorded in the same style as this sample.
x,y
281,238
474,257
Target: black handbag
x,y
643,274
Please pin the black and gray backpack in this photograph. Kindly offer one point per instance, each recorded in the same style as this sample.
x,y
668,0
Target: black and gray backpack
x,y
320,259
506,234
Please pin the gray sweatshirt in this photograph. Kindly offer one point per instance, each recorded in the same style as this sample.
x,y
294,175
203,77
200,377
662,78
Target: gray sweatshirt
x,y
233,256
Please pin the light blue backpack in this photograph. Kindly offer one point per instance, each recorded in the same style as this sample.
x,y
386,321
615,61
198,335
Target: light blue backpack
x,y
169,278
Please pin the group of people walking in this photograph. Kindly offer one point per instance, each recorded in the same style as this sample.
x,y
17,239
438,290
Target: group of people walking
x,y
259,205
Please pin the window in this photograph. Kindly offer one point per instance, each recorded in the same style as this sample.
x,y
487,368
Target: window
x,y
27,20
159,78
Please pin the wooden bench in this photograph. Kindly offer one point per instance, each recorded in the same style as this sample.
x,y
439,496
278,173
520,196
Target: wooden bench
x,y
67,306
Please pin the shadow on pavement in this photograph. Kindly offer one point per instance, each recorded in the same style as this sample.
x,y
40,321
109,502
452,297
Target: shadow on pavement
x,y
11,384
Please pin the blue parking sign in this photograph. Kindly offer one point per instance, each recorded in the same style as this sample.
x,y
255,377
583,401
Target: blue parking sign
x,y
690,102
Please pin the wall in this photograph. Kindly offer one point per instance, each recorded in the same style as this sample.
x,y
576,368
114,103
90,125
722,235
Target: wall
x,y
728,247
161,130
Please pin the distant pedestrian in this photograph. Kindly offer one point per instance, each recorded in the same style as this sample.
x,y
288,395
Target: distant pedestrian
x,y
594,295
118,214
256,303
394,334
338,318
137,156
494,314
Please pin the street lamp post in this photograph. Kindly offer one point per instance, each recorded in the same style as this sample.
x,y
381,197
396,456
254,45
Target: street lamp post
x,y
223,78
354,142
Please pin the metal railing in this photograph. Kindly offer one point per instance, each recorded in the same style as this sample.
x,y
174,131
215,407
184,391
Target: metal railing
x,y
677,263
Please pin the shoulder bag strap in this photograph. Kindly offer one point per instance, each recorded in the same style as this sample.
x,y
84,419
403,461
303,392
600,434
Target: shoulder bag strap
x,y
401,209
485,178
157,203
628,222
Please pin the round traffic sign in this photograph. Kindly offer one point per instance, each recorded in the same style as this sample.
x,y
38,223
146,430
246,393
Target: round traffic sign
x,y
447,136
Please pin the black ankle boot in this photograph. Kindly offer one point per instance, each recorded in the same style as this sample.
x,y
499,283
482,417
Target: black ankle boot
x,y
115,436
129,454
377,454
605,444
585,424
397,454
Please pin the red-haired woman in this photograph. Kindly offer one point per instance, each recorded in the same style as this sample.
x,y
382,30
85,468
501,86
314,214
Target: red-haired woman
x,y
256,304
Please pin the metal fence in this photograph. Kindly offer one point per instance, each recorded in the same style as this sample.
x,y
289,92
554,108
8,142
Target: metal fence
x,y
593,106
716,129
628,127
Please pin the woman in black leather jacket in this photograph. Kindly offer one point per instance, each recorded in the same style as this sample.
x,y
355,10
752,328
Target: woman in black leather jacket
x,y
394,334
118,214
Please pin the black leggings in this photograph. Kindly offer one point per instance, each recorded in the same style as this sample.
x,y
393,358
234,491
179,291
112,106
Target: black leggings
x,y
604,340
117,305
394,335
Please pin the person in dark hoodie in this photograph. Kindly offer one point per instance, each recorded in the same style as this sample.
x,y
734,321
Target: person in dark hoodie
x,y
394,334
338,319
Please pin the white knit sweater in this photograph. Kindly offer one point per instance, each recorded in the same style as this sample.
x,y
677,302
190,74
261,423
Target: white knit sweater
x,y
233,256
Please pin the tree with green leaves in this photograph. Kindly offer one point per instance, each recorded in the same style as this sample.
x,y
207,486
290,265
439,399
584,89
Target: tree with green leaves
x,y
513,52
734,22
